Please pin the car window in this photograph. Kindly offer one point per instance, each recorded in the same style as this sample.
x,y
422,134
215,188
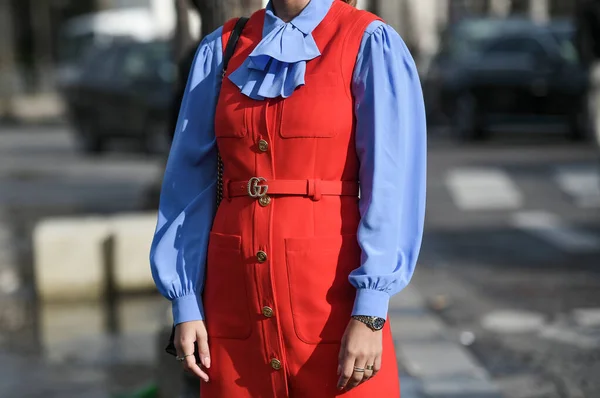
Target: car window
x,y
101,64
73,48
160,56
565,39
518,46
470,37
134,64
144,61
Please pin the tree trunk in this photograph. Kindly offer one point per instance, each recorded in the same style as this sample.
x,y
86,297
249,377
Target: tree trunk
x,y
539,10
42,39
499,8
215,13
7,51
182,38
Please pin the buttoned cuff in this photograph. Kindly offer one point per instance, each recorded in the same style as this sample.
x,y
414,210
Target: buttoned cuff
x,y
371,302
187,308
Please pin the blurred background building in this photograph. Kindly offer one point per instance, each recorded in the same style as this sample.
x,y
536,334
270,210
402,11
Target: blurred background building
x,y
42,41
39,34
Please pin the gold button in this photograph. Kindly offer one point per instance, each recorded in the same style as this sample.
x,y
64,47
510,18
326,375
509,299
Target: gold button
x,y
261,256
267,311
263,145
264,201
275,364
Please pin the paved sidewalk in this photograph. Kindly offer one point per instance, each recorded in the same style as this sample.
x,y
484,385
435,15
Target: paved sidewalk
x,y
432,363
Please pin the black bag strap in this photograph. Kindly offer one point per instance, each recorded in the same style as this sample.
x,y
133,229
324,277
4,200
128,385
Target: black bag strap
x,y
236,33
229,51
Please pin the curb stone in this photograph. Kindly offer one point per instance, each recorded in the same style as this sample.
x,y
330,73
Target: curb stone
x,y
114,249
437,366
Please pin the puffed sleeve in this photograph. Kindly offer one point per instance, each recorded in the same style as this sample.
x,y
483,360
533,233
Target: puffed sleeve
x,y
187,199
391,144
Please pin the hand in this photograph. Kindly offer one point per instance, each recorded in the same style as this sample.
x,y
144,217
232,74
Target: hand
x,y
361,347
186,334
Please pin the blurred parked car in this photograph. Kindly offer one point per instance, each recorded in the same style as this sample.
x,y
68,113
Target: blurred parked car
x,y
123,90
141,20
495,73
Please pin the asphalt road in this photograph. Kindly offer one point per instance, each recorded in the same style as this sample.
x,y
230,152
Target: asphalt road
x,y
41,169
510,259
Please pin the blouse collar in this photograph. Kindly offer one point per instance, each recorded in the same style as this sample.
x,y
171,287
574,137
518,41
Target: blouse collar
x,y
277,65
310,17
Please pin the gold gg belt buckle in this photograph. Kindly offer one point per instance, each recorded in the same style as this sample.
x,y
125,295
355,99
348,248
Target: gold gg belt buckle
x,y
255,190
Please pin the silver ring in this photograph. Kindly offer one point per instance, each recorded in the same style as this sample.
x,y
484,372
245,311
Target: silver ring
x,y
181,359
359,370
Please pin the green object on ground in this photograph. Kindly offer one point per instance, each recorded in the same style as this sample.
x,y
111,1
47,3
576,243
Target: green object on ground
x,y
149,391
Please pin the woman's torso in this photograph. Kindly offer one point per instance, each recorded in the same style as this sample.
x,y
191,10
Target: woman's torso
x,y
303,244
309,135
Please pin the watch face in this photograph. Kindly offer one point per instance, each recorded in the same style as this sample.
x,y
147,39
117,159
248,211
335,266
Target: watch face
x,y
378,323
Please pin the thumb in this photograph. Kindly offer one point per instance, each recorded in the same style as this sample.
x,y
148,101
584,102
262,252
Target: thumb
x,y
203,349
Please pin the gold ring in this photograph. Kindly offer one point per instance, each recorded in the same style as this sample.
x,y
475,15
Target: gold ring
x,y
369,367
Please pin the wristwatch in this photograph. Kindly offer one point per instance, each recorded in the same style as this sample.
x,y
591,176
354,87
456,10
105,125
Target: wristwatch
x,y
373,322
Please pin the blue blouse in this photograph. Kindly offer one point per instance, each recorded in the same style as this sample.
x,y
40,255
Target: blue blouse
x,y
390,140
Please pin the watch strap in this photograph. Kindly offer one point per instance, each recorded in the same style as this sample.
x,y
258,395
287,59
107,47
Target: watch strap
x,y
370,321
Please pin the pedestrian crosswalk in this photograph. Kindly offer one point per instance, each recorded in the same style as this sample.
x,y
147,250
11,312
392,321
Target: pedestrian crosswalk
x,y
581,183
551,228
489,188
559,205
483,189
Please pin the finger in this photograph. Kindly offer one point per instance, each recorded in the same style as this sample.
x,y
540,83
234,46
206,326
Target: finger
x,y
369,372
376,365
192,366
357,375
347,369
185,348
185,345
203,349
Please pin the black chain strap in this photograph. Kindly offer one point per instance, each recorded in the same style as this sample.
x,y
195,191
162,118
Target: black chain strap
x,y
219,179
229,50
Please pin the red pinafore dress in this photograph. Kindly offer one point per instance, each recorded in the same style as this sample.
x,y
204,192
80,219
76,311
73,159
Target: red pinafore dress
x,y
276,296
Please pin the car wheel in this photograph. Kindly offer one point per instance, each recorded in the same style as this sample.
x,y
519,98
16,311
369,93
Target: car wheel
x,y
89,140
466,119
